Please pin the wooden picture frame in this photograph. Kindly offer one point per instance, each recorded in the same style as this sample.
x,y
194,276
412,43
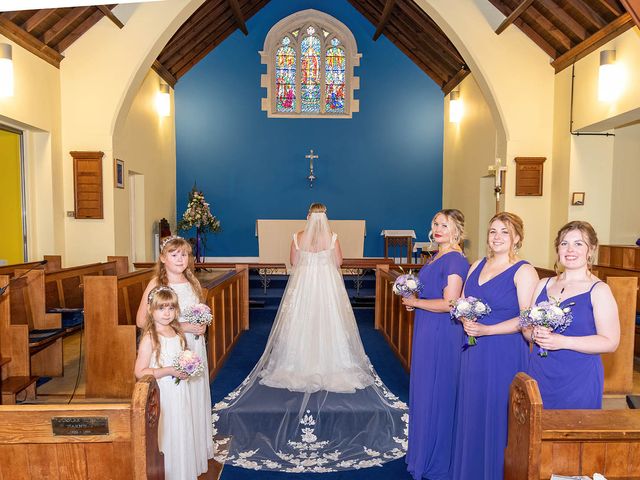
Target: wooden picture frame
x,y
118,173
577,198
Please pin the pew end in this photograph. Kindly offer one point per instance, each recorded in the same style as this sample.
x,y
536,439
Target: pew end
x,y
568,442
106,441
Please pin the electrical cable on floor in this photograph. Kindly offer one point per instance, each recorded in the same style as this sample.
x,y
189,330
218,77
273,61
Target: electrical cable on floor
x,y
75,387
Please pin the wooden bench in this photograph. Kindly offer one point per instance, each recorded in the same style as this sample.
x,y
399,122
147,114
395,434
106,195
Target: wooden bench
x,y
111,304
54,263
30,449
63,289
568,442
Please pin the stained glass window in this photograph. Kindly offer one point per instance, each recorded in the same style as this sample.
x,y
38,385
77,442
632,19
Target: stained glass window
x,y
310,72
310,58
335,78
286,77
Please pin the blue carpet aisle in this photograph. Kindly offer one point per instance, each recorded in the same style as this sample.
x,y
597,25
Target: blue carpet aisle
x,y
247,353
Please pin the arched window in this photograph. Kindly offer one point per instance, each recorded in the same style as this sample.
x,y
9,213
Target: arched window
x,y
310,57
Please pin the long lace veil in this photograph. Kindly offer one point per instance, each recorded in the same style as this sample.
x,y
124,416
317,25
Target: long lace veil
x,y
313,402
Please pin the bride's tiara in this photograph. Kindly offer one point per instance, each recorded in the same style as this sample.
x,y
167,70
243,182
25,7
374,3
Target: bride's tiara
x,y
156,290
169,239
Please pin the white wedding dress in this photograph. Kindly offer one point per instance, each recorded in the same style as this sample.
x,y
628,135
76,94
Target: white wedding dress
x,y
313,402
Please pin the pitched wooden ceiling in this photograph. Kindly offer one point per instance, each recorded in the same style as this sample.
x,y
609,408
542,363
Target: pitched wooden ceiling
x,y
566,30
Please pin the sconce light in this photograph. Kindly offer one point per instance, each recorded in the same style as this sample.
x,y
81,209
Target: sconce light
x,y
456,108
609,77
163,100
6,70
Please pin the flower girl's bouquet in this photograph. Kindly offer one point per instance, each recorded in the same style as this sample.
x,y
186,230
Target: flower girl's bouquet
x,y
198,314
470,308
547,314
189,363
407,285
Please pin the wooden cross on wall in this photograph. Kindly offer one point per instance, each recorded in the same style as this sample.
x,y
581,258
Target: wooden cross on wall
x,y
311,176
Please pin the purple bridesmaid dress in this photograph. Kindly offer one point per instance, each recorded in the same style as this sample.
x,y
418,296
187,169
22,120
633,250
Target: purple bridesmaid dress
x,y
435,365
486,371
568,379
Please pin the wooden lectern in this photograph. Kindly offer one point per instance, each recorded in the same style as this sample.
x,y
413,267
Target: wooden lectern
x,y
398,239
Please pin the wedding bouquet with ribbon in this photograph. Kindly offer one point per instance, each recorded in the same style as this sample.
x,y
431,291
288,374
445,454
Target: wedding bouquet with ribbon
x,y
197,314
189,363
407,285
469,308
547,314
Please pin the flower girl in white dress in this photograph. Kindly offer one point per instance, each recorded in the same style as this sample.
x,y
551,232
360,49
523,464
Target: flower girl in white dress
x,y
175,269
161,340
313,402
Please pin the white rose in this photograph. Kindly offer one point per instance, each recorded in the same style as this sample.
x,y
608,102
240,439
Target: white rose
x,y
412,284
557,312
480,308
536,313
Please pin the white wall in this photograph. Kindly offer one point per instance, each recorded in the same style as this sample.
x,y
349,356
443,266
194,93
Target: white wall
x,y
625,197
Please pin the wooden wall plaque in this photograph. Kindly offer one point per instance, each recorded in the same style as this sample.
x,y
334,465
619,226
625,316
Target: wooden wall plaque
x,y
87,184
529,176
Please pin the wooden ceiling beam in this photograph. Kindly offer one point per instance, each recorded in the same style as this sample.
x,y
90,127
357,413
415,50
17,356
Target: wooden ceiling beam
x,y
513,16
612,6
165,74
386,13
633,8
77,32
11,15
455,80
187,33
564,18
592,17
621,24
29,42
37,19
237,14
534,18
106,11
196,19
537,38
421,64
57,31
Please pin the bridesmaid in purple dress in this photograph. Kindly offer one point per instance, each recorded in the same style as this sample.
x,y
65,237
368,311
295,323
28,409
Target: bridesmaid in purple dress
x,y
506,284
572,376
435,362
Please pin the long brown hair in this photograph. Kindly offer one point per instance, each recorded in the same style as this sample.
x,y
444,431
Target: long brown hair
x,y
515,226
159,297
589,235
170,245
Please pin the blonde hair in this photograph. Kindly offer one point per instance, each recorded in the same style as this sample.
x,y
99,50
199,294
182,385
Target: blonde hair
x,y
589,235
317,208
158,297
170,246
456,219
516,228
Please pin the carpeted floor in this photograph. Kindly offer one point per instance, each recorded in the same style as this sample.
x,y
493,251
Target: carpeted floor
x,y
247,353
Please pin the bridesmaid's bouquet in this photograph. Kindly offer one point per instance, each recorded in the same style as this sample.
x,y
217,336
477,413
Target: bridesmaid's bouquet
x,y
189,363
469,308
198,314
407,285
547,314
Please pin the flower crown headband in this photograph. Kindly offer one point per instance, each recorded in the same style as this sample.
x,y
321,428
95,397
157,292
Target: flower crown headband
x,y
156,290
169,239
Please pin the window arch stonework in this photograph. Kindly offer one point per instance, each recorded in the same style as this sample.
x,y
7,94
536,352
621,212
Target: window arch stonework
x,y
300,94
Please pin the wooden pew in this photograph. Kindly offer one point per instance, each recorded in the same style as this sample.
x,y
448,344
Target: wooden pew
x,y
63,289
396,325
568,442
54,263
228,298
110,310
129,450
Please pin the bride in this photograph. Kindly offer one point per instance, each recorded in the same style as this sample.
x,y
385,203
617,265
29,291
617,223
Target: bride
x,y
313,402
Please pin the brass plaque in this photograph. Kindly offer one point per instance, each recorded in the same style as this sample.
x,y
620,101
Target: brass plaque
x,y
74,426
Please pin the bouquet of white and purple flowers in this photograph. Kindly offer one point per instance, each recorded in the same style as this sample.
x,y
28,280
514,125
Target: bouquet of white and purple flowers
x,y
189,363
470,308
197,314
547,314
407,285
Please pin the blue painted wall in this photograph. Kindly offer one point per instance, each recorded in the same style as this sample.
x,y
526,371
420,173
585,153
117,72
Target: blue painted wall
x,y
384,165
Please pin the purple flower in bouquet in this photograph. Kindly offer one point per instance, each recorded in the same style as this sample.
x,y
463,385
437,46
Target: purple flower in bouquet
x,y
198,314
189,363
407,285
547,314
470,308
